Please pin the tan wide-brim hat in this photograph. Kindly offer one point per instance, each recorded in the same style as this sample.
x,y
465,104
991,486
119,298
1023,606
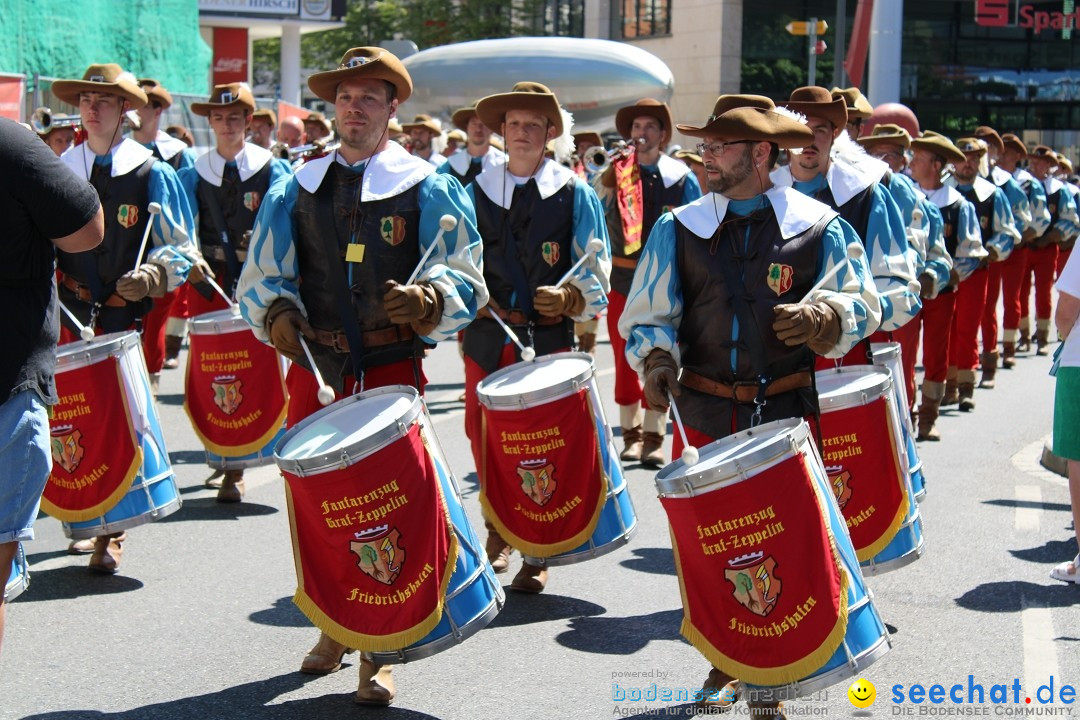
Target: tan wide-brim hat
x,y
317,118
758,125
154,91
1065,163
939,145
858,107
462,116
886,133
266,113
232,95
990,136
814,101
723,104
394,127
424,122
589,137
645,107
971,145
1012,142
1044,152
689,155
457,135
372,63
530,96
104,78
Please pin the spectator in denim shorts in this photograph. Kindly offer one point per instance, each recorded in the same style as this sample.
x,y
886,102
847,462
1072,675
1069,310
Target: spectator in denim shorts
x,y
43,204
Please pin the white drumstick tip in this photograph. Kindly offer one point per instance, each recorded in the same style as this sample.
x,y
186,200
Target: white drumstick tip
x,y
528,354
595,246
154,208
326,395
689,455
448,222
86,334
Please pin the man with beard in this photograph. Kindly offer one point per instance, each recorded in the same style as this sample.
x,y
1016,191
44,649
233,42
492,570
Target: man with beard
x,y
263,122
424,131
478,153
705,297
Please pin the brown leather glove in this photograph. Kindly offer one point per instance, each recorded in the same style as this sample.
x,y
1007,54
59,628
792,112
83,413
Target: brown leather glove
x,y
926,285
285,323
149,279
200,270
993,257
661,375
954,278
1028,238
418,305
814,324
555,302
1050,237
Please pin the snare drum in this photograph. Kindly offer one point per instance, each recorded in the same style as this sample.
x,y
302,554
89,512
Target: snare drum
x,y
340,443
19,579
866,459
747,522
888,356
234,391
135,477
555,401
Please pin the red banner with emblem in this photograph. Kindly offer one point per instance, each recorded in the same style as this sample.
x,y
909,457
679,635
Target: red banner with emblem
x,y
764,598
95,451
542,482
234,392
374,547
629,200
859,449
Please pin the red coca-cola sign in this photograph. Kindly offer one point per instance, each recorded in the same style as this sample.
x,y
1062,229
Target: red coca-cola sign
x,y
230,55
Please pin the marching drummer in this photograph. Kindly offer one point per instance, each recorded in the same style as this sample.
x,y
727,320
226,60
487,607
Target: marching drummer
x,y
378,209
478,154
537,219
717,292
425,135
109,289
225,189
663,183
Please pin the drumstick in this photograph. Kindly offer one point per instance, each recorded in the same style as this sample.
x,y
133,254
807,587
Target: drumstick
x,y
854,250
446,224
326,393
86,333
527,353
206,277
154,208
594,246
690,453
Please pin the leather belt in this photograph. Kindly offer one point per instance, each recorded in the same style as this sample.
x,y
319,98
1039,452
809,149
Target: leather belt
x,y
372,338
516,317
745,392
623,262
217,253
82,292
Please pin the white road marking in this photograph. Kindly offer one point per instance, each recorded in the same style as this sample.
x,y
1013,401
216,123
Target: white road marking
x,y
1040,654
1027,518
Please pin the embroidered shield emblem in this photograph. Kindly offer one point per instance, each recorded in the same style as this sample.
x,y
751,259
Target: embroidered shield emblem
x,y
227,394
379,553
754,581
537,480
779,278
392,229
551,253
127,215
67,450
840,479
252,200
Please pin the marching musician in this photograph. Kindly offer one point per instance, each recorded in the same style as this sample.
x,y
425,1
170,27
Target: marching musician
x,y
536,218
478,153
263,122
225,189
58,138
344,233
858,107
663,183
1066,176
425,134
291,131
317,127
110,288
716,292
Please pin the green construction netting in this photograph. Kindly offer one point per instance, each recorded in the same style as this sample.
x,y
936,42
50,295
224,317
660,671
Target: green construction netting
x,y
60,38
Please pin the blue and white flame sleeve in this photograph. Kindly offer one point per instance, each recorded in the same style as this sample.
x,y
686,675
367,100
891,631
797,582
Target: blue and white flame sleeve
x,y
174,226
1018,203
593,277
938,261
886,253
1005,235
1040,213
969,245
851,291
1068,222
654,305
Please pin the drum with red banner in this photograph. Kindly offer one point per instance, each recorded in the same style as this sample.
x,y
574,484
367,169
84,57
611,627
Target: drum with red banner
x,y
386,560
771,588
234,391
550,477
111,470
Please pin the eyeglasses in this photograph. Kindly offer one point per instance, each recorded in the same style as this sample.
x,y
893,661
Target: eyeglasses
x,y
718,148
888,154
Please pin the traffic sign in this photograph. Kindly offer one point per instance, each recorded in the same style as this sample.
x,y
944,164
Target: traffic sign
x,y
802,27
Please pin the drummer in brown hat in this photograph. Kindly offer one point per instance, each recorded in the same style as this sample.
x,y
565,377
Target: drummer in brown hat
x,y
478,153
355,224
661,183
149,133
425,137
858,109
717,292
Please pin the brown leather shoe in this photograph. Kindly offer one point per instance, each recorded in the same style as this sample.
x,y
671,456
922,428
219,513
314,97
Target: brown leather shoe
x,y
108,549
530,579
214,481
325,657
81,547
720,690
172,351
498,550
376,684
652,450
632,444
232,487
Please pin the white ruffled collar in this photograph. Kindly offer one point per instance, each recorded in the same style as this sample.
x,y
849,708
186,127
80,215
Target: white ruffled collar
x,y
496,184
983,188
845,181
460,160
795,212
126,156
944,196
249,161
395,171
168,146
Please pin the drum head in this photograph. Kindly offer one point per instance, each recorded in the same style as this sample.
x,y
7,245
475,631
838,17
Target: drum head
x,y
348,430
526,384
851,386
218,321
734,458
81,353
885,353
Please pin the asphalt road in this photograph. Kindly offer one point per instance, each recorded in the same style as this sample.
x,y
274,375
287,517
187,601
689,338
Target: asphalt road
x,y
199,623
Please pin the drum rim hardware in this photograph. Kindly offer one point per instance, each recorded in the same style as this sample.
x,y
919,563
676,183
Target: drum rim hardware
x,y
532,398
855,398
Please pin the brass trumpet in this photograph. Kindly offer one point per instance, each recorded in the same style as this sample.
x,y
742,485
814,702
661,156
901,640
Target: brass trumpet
x,y
302,152
44,120
597,159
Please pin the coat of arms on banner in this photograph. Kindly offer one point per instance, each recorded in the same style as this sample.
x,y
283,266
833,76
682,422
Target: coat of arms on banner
x,y
392,229
67,450
551,252
127,215
840,479
379,553
756,585
779,278
227,394
537,480
252,200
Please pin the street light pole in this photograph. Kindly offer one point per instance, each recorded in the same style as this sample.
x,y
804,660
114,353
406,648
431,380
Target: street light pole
x,y
813,51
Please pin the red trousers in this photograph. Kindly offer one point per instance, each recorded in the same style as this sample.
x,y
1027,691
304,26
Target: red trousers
x,y
195,304
180,304
936,320
303,389
627,385
1063,257
1012,276
153,332
474,374
1043,262
990,311
967,317
908,337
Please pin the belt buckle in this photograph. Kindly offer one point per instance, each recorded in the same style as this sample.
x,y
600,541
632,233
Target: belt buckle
x,y
752,384
336,337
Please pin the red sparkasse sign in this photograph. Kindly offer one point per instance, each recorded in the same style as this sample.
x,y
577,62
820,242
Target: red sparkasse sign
x,y
1010,13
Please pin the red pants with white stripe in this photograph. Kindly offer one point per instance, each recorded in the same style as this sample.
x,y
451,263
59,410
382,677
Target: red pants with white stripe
x,y
967,317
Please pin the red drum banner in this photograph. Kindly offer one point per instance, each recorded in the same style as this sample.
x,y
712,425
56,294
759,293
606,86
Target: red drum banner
x,y
96,454
234,392
764,598
373,546
630,201
863,464
542,482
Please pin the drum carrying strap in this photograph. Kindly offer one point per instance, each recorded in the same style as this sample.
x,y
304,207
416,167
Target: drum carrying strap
x,y
232,263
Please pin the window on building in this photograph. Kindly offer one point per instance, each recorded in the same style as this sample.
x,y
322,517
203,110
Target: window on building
x,y
645,18
562,18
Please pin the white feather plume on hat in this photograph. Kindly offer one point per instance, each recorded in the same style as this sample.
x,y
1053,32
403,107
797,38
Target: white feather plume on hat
x,y
791,115
563,145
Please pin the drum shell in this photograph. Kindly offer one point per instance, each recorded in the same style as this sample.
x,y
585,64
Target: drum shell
x,y
889,356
